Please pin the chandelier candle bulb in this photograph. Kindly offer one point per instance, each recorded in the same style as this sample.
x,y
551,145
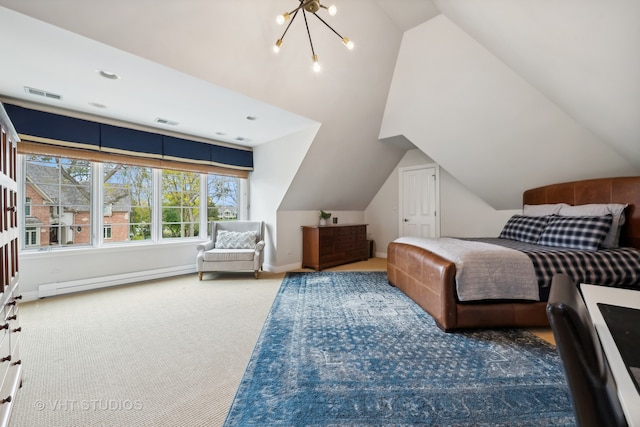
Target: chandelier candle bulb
x,y
316,65
281,19
276,47
348,43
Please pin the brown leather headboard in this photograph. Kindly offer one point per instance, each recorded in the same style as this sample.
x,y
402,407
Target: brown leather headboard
x,y
603,190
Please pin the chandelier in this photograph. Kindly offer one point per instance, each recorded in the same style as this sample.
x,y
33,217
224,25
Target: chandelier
x,y
308,6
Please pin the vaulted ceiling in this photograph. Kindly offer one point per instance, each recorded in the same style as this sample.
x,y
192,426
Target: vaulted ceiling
x,y
574,66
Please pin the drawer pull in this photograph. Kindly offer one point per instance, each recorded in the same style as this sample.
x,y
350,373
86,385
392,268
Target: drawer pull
x,y
14,317
5,400
18,362
18,329
17,297
14,302
6,359
5,326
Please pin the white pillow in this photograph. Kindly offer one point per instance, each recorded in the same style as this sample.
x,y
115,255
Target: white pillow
x,y
543,210
235,239
616,210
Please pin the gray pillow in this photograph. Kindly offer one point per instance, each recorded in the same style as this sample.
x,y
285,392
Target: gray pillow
x,y
236,239
543,210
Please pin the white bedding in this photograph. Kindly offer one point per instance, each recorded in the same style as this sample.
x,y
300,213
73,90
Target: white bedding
x,y
484,271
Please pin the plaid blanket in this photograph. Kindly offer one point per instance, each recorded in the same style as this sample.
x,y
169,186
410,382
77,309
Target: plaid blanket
x,y
607,267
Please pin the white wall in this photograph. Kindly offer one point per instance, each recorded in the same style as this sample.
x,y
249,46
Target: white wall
x,y
82,268
275,164
462,214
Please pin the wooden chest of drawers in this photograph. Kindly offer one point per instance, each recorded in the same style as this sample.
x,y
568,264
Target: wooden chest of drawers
x,y
331,245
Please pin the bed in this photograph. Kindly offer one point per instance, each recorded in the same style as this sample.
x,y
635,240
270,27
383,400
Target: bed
x,y
429,278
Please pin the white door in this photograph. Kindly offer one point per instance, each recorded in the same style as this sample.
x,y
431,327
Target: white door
x,y
419,201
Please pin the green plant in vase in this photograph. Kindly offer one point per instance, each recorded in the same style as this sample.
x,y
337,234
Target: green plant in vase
x,y
324,216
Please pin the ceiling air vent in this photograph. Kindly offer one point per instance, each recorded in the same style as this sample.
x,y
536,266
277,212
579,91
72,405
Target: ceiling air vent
x,y
40,92
166,122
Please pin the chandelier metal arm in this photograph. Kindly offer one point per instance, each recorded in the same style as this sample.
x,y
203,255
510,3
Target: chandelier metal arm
x,y
306,23
295,13
302,4
328,26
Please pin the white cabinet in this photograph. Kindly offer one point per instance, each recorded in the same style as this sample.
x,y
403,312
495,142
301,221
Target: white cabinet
x,y
10,330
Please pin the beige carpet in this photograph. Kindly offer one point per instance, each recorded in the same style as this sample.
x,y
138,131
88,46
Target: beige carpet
x,y
161,353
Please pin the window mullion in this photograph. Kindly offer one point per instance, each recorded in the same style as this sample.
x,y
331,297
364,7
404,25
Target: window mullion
x,y
97,170
156,212
204,202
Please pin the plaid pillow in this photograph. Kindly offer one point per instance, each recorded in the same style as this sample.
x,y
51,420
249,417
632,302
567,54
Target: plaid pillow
x,y
578,232
524,228
615,209
235,240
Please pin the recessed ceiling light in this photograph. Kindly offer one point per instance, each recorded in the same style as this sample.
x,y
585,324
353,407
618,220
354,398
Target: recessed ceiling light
x,y
252,118
108,75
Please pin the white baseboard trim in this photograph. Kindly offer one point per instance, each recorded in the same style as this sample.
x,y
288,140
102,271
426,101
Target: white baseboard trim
x,y
285,268
60,288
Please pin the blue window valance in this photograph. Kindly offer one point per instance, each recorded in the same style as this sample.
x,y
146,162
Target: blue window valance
x,y
56,129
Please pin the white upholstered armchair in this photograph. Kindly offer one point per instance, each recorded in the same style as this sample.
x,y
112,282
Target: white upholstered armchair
x,y
234,246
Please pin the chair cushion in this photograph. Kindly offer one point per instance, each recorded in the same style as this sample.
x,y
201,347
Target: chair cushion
x,y
235,239
229,255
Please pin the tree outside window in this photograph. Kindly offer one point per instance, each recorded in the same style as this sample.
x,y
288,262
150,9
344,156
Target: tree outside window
x,y
127,202
180,204
223,196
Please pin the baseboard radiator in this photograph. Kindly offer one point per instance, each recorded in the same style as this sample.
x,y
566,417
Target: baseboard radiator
x,y
60,288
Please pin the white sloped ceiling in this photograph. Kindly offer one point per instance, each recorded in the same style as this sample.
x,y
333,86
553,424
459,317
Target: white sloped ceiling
x,y
584,55
504,94
512,95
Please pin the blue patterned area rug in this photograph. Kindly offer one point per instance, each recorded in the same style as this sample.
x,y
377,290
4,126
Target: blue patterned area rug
x,y
348,349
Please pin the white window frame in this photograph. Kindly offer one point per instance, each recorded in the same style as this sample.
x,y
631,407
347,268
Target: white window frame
x,y
97,210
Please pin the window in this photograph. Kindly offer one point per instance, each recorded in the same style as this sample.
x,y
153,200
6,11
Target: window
x,y
31,236
58,191
135,203
127,202
223,197
106,231
180,204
